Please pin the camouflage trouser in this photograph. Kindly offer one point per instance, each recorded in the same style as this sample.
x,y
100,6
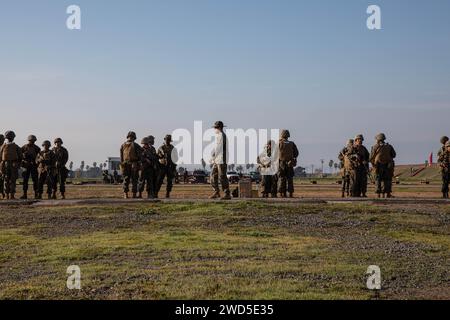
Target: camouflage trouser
x,y
167,172
269,185
383,178
10,171
2,185
60,179
130,173
148,180
445,181
45,177
346,183
219,174
285,178
358,181
32,172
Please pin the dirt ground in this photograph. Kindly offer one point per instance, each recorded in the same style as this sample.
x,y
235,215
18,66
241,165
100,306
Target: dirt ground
x,y
303,190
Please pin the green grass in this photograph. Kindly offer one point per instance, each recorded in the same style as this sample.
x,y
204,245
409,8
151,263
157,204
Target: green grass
x,y
238,250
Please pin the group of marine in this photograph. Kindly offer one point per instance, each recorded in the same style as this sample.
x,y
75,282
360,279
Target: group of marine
x,y
355,159
46,167
145,168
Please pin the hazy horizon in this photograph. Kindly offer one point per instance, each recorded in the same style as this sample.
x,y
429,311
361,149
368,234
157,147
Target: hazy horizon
x,y
312,67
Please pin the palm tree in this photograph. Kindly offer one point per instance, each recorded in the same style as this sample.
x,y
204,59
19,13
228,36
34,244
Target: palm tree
x,y
82,166
71,165
336,166
203,164
331,164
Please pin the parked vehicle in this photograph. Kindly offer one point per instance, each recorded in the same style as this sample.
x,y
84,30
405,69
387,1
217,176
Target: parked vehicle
x,y
233,177
198,176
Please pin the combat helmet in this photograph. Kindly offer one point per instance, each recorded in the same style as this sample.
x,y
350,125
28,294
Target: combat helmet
x,y
444,139
447,144
10,135
218,125
360,137
145,140
46,143
350,142
168,137
58,140
285,134
32,138
131,135
380,137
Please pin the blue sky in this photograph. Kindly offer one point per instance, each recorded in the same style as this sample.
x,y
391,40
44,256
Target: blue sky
x,y
153,66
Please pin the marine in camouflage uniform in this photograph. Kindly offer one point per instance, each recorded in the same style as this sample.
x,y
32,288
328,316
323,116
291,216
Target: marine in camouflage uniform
x,y
268,182
382,158
61,158
288,154
2,181
444,166
360,167
130,156
10,159
219,160
345,169
149,164
46,162
30,151
168,158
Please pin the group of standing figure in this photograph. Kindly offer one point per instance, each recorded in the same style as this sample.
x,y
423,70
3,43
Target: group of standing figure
x,y
355,160
145,168
444,165
46,167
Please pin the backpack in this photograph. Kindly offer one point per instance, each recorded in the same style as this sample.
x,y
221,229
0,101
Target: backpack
x,y
9,152
129,152
384,154
286,150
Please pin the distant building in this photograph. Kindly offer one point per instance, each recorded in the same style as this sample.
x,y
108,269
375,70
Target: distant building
x,y
113,164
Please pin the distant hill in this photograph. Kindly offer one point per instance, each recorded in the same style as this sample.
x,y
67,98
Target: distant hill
x,y
417,172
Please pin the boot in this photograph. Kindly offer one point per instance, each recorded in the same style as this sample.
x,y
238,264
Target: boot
x,y
134,195
36,195
49,196
283,195
39,196
24,197
7,196
12,197
150,195
227,196
364,195
125,195
379,195
140,195
343,194
274,195
63,195
167,195
291,194
389,195
54,195
215,195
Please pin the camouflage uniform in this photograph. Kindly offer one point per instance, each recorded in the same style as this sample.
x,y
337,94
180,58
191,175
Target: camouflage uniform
x,y
287,163
268,182
382,158
46,162
30,152
360,168
167,165
130,156
345,170
444,167
219,164
2,181
148,174
10,157
61,158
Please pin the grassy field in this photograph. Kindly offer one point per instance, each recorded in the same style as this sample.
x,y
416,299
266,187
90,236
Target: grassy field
x,y
233,250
